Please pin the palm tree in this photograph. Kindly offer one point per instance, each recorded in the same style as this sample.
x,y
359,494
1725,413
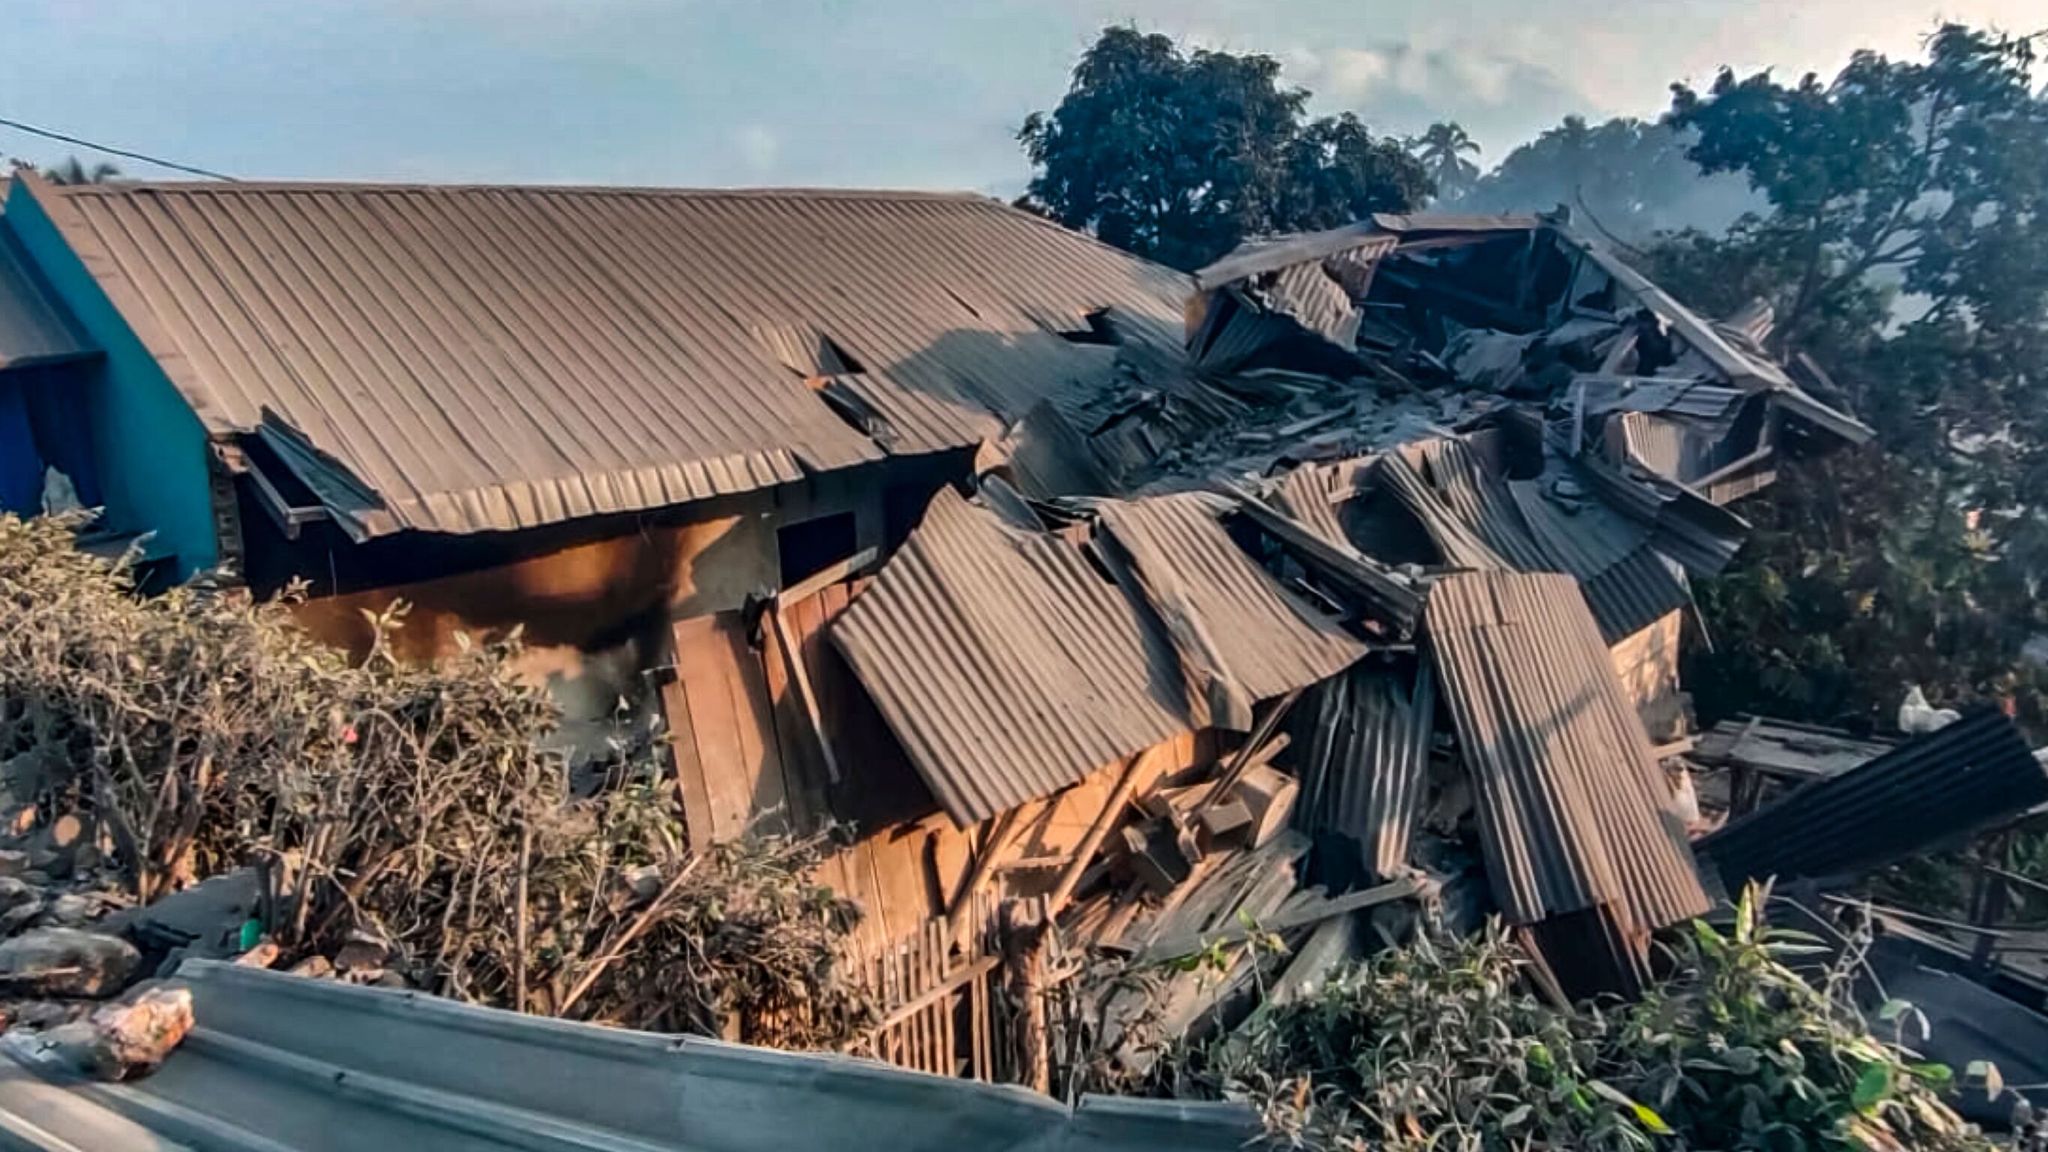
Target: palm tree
x,y
1442,151
72,171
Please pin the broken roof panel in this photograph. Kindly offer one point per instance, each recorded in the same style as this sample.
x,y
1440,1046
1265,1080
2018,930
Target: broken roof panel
x,y
496,358
1010,666
1267,641
282,1063
1574,811
1928,791
1478,521
1365,771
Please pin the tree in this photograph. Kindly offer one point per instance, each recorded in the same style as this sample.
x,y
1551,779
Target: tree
x,y
1906,245
1442,151
1181,156
1631,176
73,171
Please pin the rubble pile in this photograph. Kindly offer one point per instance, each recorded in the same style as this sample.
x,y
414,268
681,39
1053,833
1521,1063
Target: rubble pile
x,y
1407,525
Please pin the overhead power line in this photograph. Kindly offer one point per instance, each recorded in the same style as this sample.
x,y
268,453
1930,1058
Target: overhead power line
x,y
113,151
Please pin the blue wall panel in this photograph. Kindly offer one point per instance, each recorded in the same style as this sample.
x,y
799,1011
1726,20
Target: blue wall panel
x,y
149,445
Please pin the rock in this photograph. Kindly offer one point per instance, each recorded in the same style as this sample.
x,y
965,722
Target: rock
x,y
390,979
313,968
128,1038
20,916
262,955
67,962
14,892
13,861
134,1035
206,917
72,910
41,1014
362,951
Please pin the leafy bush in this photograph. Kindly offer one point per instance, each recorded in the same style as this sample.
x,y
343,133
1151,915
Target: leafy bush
x,y
201,731
1438,1046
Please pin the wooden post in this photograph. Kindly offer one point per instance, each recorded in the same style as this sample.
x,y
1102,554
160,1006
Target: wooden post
x,y
1025,936
1000,834
1084,852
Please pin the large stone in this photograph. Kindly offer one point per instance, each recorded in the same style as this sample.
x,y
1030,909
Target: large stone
x,y
206,918
66,962
133,1036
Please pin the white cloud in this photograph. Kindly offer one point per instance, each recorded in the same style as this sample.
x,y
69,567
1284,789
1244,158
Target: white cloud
x,y
758,146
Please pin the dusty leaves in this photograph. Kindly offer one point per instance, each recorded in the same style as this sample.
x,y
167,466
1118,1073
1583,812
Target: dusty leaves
x,y
204,731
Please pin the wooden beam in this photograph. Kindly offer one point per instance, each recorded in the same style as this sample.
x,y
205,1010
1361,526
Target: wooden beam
x,y
835,573
972,970
1098,830
800,681
1299,917
1000,834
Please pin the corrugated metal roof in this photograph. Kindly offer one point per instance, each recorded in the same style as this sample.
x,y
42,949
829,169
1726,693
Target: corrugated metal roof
x,y
1695,398
279,1063
495,358
1364,775
1268,640
1574,812
1479,521
1010,666
1006,664
34,329
1923,793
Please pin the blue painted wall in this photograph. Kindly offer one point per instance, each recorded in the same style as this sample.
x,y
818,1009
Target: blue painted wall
x,y
149,445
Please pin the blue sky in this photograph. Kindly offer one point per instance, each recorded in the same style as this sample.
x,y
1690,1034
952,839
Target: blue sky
x,y
911,93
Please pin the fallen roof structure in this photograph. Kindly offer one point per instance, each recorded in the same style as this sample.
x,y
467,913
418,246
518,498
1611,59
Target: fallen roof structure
x,y
1932,790
284,1063
1575,816
1010,664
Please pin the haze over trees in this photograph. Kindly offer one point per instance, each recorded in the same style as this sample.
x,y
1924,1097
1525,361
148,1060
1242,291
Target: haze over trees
x,y
1896,217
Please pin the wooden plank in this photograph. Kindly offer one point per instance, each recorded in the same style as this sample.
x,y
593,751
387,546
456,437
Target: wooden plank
x,y
1307,913
806,696
682,737
835,573
1110,815
754,721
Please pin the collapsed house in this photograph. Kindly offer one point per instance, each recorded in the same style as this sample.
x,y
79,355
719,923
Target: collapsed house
x,y
1346,577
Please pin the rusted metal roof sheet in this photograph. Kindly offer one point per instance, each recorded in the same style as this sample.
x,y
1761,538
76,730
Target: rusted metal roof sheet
x,y
1010,666
1574,812
1269,641
1694,398
1365,772
1005,663
1923,793
281,1063
1365,238
1313,493
34,329
472,359
1478,521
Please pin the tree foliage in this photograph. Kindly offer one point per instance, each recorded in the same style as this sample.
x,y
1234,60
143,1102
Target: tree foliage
x,y
1631,176
1442,151
1179,156
1905,246
1753,1041
72,170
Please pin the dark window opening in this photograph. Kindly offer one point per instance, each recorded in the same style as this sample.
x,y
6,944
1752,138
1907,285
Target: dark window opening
x,y
1097,333
811,546
836,360
45,441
